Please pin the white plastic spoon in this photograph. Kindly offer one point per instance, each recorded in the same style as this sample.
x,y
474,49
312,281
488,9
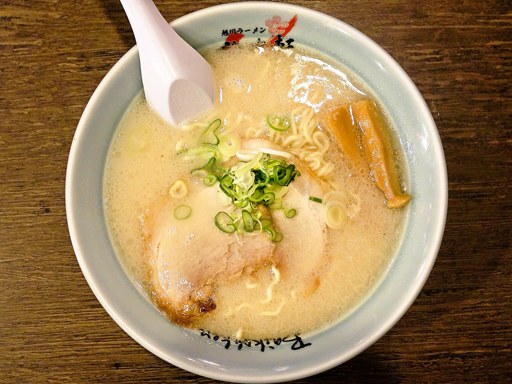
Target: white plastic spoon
x,y
178,81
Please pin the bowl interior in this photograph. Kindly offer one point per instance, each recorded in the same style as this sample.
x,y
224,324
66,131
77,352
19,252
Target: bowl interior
x,y
283,360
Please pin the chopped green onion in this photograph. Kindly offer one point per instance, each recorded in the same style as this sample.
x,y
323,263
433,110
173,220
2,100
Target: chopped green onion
x,y
224,222
284,176
280,174
315,199
275,236
268,198
210,180
260,196
240,203
261,181
257,196
248,221
278,123
215,124
291,213
182,212
271,163
226,185
211,133
261,177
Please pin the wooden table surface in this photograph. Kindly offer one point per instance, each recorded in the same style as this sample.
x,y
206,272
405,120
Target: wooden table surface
x,y
53,330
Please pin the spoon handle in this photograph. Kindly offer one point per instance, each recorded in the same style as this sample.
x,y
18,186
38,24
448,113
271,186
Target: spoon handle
x,y
178,82
148,24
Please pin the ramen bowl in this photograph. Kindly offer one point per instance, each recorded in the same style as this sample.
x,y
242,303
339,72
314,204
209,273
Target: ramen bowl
x,y
295,356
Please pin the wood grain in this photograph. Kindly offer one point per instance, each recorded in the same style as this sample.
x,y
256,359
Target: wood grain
x,y
52,56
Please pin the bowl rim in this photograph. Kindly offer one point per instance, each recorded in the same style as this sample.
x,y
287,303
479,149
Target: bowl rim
x,y
312,369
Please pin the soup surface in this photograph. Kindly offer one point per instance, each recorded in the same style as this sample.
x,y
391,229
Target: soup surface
x,y
275,213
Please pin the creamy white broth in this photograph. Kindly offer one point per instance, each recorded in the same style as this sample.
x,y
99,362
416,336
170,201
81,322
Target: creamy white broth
x,y
253,84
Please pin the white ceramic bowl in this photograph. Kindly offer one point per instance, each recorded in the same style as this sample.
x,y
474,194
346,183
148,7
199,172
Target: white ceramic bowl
x,y
335,345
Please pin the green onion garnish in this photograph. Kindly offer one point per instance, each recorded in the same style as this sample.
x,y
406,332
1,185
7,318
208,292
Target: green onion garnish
x,y
248,221
284,176
240,203
209,180
261,177
182,212
268,198
278,123
275,236
225,223
291,213
261,181
257,196
226,185
315,199
211,133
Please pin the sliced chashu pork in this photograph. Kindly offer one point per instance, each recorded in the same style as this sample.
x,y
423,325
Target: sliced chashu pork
x,y
302,252
189,257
